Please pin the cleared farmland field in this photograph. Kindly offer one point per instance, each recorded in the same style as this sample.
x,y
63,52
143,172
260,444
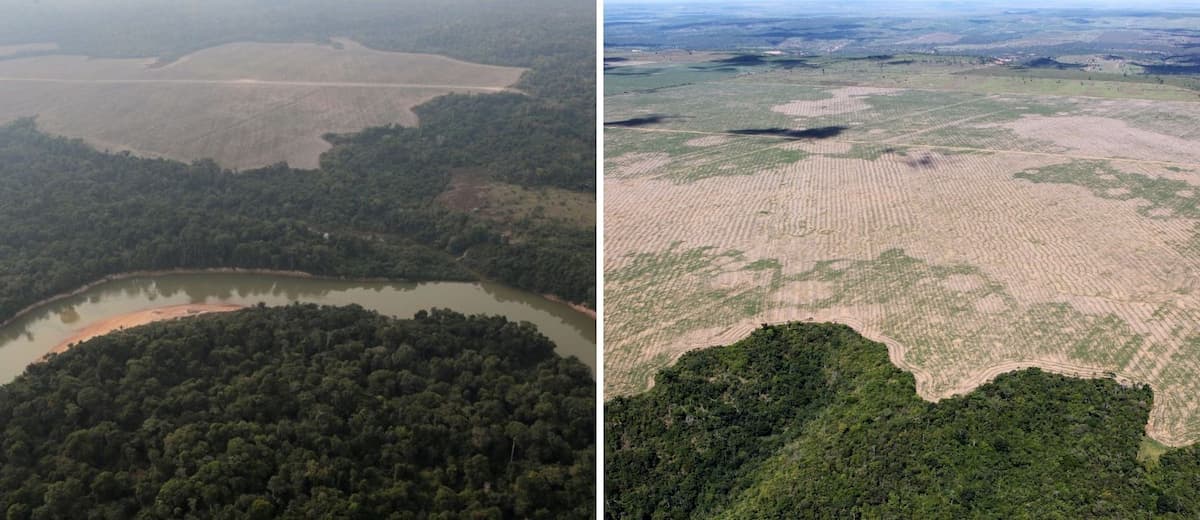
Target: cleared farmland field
x,y
972,232
245,105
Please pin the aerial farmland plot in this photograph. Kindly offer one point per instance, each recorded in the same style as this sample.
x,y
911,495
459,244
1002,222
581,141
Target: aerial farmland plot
x,y
975,217
244,105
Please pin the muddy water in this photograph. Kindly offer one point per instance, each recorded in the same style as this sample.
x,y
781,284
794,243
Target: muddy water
x,y
29,337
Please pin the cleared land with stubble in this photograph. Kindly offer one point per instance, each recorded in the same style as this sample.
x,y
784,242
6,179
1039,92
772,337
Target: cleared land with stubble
x,y
245,105
974,233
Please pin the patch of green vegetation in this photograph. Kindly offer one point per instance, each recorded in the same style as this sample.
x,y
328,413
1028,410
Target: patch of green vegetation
x,y
1067,83
851,277
1150,451
621,141
751,163
916,292
967,136
675,274
1175,374
717,106
812,420
776,155
645,79
909,108
1107,182
764,264
642,296
529,207
1069,75
670,261
748,303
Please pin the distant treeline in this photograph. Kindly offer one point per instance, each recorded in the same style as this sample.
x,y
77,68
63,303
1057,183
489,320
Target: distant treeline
x,y
812,421
303,412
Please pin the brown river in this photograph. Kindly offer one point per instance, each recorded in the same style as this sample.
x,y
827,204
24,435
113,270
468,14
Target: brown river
x,y
28,338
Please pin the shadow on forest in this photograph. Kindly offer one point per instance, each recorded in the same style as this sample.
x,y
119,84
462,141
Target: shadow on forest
x,y
822,132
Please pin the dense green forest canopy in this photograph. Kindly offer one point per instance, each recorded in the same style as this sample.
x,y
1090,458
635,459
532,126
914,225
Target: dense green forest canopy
x,y
812,420
302,412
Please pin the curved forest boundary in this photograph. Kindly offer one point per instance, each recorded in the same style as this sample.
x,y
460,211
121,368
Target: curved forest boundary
x,y
813,419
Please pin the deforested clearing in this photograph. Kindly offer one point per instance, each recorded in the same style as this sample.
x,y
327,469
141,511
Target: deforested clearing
x,y
840,101
1106,137
245,105
972,233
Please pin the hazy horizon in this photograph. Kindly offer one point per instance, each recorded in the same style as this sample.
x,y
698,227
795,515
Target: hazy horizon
x,y
913,7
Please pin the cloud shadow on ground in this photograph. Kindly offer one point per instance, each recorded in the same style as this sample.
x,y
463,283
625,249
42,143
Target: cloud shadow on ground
x,y
641,121
822,132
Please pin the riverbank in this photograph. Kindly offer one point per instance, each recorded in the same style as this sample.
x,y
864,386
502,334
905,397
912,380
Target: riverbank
x,y
135,274
591,313
238,270
138,318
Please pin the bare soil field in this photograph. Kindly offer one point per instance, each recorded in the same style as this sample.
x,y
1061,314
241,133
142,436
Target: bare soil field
x,y
973,234
245,105
140,318
842,100
1106,137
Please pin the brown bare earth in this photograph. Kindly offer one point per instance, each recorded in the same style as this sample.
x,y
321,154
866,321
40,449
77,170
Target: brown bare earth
x,y
1107,137
140,318
244,104
843,100
640,163
970,241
